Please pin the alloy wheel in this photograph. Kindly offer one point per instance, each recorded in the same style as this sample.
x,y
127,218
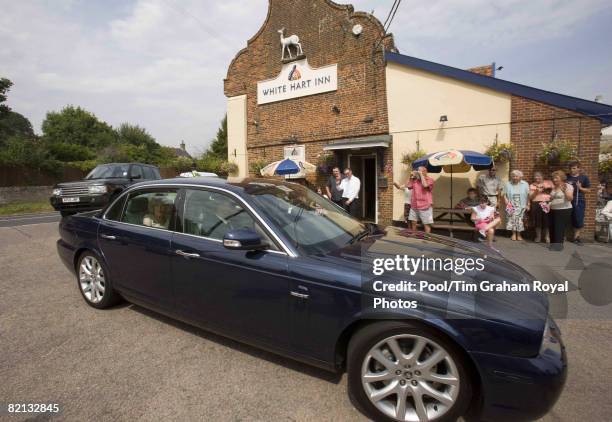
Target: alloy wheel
x,y
91,279
410,378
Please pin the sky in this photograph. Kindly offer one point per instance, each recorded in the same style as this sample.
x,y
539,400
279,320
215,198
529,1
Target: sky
x,y
161,63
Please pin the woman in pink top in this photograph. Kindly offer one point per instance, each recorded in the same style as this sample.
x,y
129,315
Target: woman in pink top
x,y
539,195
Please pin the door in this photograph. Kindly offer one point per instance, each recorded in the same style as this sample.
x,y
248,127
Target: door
x,y
136,245
364,167
244,293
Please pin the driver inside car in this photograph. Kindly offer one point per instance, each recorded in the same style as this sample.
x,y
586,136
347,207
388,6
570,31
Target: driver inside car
x,y
227,216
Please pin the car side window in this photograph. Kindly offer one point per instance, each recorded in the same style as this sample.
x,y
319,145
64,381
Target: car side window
x,y
150,208
136,171
212,214
149,173
114,212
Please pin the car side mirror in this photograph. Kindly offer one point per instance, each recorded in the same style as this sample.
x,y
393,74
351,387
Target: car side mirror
x,y
244,240
136,176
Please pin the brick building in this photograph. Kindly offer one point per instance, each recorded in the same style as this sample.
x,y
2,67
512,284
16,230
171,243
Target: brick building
x,y
349,97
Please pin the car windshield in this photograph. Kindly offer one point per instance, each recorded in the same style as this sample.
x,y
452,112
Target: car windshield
x,y
109,171
313,224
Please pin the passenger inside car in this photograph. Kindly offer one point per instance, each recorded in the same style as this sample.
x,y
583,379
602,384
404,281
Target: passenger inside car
x,y
160,214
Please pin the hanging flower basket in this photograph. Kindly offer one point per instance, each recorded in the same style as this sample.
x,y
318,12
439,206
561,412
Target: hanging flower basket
x,y
409,157
499,153
326,162
557,152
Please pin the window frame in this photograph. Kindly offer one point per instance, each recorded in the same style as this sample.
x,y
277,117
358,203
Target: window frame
x,y
180,216
284,249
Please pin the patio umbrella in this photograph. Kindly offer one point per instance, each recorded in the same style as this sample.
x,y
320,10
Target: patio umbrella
x,y
453,161
287,166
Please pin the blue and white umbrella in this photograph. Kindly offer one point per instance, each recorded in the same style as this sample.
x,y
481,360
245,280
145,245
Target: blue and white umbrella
x,y
287,166
453,161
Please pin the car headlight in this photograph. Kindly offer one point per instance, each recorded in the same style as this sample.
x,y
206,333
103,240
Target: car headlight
x,y
97,189
551,340
57,192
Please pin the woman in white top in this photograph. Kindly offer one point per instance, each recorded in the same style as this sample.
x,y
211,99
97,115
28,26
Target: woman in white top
x,y
485,218
560,214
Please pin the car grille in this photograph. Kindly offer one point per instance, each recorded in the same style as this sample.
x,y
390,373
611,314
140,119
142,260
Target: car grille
x,y
75,190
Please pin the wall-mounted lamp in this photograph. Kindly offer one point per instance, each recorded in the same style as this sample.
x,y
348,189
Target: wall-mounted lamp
x,y
443,118
336,109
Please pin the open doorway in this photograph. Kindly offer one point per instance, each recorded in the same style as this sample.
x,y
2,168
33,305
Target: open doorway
x,y
364,167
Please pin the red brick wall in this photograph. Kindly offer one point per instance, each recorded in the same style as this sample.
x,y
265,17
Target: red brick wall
x,y
533,124
324,29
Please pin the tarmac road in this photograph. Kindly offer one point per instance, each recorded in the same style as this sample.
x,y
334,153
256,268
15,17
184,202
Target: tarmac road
x,y
127,363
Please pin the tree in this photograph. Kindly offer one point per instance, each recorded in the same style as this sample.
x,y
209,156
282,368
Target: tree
x,y
14,124
5,86
218,146
76,126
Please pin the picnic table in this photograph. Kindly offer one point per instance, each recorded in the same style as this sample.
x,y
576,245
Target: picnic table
x,y
457,223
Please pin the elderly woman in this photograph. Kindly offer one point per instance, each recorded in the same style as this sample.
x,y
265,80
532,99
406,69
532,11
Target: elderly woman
x,y
560,215
539,195
516,198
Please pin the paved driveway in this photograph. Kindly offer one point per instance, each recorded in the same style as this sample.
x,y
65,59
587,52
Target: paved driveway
x,y
130,364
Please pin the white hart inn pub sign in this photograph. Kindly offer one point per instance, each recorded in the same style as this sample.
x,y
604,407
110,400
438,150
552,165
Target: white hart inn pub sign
x,y
298,79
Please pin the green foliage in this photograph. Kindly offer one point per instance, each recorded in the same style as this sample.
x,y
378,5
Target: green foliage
x,y
85,165
605,164
500,153
25,207
211,163
14,124
557,151
30,152
409,157
5,86
218,146
76,126
257,166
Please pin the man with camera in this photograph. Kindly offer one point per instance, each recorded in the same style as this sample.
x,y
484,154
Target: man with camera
x,y
422,199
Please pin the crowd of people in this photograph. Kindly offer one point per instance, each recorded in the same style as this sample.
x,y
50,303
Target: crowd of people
x,y
549,206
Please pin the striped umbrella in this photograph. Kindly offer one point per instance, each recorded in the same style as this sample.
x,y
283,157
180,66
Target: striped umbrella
x,y
287,166
453,161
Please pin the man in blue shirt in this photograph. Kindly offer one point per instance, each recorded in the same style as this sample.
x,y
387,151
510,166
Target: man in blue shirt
x,y
582,185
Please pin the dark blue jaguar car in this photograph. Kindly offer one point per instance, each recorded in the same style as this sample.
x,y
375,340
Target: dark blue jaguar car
x,y
278,266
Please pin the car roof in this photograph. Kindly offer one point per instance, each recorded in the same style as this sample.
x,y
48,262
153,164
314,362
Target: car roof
x,y
233,184
126,164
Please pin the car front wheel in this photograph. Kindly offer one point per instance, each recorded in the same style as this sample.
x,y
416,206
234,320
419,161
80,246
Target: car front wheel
x,y
94,281
402,371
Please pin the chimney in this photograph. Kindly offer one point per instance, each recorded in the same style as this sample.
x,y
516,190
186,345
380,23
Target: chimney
x,y
183,145
487,70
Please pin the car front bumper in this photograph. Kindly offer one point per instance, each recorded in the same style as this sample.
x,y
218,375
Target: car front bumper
x,y
516,389
86,203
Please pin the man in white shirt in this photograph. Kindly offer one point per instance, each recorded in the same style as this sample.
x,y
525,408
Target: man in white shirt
x,y
350,187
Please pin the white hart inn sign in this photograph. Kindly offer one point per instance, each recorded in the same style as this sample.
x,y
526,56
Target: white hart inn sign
x,y
298,79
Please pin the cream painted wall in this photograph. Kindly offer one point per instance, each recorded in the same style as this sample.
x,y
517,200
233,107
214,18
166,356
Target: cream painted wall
x,y
416,100
237,133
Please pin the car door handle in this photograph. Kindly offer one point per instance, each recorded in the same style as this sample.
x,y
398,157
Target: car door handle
x,y
187,254
108,236
300,295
